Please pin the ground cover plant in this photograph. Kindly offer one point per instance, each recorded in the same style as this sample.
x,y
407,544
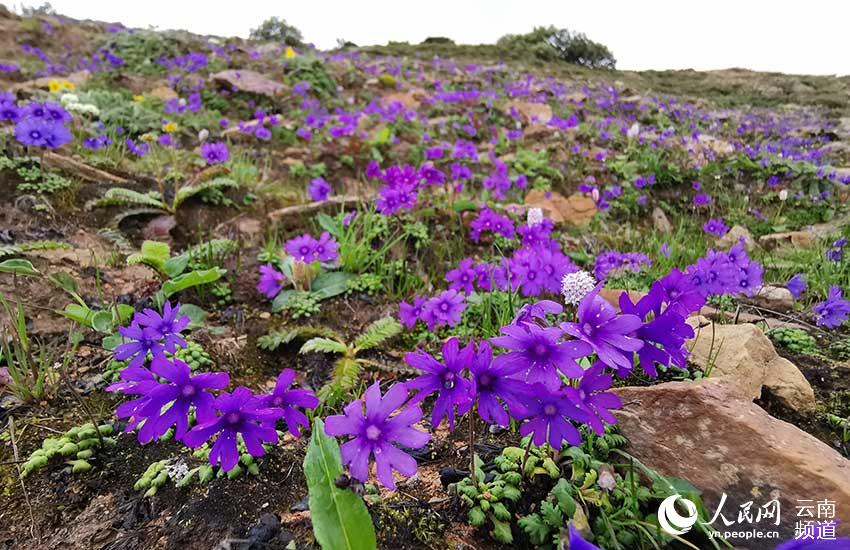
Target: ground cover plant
x,y
258,295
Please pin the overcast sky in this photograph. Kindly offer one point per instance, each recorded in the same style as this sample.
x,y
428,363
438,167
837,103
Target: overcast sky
x,y
792,36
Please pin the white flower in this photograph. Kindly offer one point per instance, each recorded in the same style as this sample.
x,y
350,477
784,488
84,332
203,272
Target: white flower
x,y
203,135
534,216
177,470
633,131
575,286
783,195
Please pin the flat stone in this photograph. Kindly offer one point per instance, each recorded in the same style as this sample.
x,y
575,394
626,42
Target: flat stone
x,y
575,210
796,239
777,298
248,81
737,234
660,221
715,437
746,355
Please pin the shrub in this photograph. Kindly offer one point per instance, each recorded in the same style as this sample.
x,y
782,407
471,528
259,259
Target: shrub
x,y
551,44
278,30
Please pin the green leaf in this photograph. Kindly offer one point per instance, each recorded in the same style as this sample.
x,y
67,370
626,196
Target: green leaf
x,y
323,345
535,528
327,285
196,315
378,332
566,503
112,341
340,518
175,266
328,224
552,515
191,279
476,517
502,531
122,313
118,196
282,299
465,205
188,191
79,314
18,266
102,321
64,281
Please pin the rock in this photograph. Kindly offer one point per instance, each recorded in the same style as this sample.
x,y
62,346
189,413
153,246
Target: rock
x,y
410,100
248,81
714,437
575,210
797,239
744,354
660,221
734,236
536,117
777,298
159,228
164,93
718,146
78,79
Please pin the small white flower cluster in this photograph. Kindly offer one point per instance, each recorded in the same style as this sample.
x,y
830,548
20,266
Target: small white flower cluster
x,y
575,286
177,470
534,216
72,103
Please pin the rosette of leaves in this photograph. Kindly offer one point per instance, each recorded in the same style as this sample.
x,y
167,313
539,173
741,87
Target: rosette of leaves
x,y
488,501
347,367
77,446
311,285
194,355
153,202
794,339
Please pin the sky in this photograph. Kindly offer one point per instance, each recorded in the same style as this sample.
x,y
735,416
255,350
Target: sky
x,y
788,36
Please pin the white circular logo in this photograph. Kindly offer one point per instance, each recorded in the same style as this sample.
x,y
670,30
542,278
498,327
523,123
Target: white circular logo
x,y
671,521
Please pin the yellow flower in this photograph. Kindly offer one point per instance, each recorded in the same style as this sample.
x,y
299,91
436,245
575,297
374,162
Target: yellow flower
x,y
169,127
289,53
60,85
138,98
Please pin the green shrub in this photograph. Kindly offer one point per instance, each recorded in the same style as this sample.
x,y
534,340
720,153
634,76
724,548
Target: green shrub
x,y
278,30
551,44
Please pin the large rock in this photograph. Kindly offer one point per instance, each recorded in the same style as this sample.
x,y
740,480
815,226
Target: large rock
x,y
576,210
744,354
660,221
718,439
248,81
536,117
776,298
737,234
797,239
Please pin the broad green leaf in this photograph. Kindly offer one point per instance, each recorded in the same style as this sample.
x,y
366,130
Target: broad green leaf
x,y
323,345
64,281
79,314
327,285
122,313
566,503
18,266
176,265
191,279
340,518
465,205
112,341
329,224
196,315
102,321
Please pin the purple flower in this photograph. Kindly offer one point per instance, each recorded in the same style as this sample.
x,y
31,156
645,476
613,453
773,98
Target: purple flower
x,y
327,249
42,132
168,403
290,401
605,331
446,379
408,314
463,277
612,262
702,199
142,342
797,285
549,414
578,543
318,189
832,312
166,327
138,149
490,221
271,281
443,309
49,111
393,197
538,354
302,248
215,153
375,431
591,397
715,227
493,385
241,414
